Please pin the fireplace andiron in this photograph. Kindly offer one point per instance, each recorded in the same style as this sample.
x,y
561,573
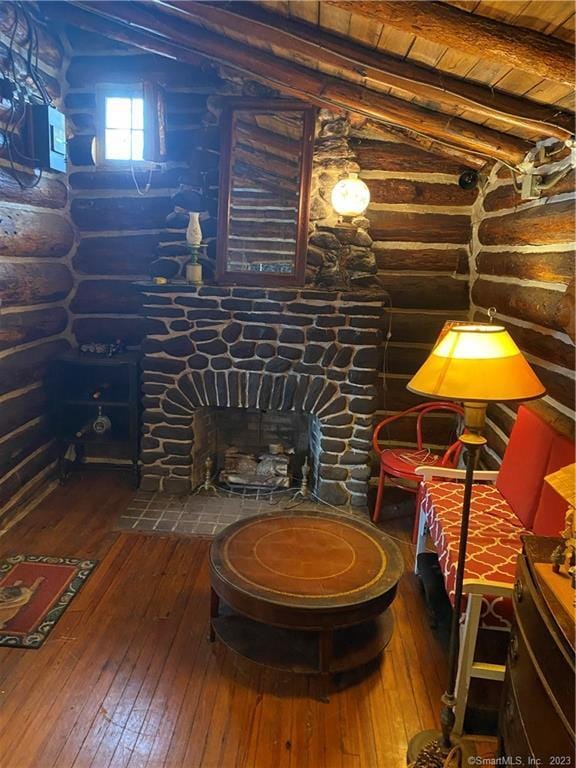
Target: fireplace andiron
x,y
303,492
207,486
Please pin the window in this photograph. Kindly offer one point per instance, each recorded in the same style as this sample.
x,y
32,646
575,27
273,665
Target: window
x,y
131,124
124,128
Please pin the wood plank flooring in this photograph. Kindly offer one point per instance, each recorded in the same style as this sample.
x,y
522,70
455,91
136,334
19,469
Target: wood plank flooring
x,y
127,678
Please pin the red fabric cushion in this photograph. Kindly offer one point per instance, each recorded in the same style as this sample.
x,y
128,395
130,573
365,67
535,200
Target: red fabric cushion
x,y
524,465
549,519
402,462
493,542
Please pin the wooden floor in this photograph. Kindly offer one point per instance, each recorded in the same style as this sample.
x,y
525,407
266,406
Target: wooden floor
x,y
127,677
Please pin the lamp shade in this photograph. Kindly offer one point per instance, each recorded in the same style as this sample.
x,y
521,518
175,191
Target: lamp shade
x,y
564,483
350,196
476,363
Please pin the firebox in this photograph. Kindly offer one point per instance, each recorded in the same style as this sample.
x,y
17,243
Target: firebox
x,y
249,447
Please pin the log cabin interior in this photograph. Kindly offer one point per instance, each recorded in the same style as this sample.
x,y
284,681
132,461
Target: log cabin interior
x,y
238,242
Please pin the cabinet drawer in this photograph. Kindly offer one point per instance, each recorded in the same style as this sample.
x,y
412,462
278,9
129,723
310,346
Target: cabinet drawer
x,y
555,663
550,734
514,739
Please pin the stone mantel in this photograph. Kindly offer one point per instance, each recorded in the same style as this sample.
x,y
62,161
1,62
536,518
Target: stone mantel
x,y
370,296
285,349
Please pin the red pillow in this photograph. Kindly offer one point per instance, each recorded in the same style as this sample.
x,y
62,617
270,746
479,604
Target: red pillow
x,y
549,519
525,464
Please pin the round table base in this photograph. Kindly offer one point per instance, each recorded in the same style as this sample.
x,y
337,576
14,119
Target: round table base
x,y
298,651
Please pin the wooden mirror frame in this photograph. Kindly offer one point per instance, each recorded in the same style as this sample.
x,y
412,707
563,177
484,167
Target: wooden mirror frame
x,y
223,274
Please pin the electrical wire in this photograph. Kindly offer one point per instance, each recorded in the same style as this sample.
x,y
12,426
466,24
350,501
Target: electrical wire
x,y
549,181
33,52
387,337
139,190
546,182
15,121
517,187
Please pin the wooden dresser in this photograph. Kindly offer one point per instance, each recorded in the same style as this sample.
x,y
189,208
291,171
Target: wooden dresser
x,y
537,715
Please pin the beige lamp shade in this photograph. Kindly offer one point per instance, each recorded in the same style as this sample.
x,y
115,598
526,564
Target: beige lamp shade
x,y
476,363
564,483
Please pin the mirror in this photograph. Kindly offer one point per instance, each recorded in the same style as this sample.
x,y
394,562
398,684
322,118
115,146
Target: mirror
x,y
264,192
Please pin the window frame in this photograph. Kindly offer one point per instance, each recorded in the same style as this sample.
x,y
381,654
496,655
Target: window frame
x,y
123,91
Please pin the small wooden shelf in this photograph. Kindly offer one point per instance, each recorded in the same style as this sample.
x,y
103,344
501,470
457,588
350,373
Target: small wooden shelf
x,y
73,378
96,441
293,650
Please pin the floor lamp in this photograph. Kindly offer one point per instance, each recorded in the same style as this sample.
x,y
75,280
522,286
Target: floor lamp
x,y
474,364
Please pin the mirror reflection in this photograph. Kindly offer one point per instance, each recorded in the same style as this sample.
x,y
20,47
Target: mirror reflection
x,y
263,230
264,191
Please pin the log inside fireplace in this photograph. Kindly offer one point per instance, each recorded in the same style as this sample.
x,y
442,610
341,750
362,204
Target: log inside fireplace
x,y
239,442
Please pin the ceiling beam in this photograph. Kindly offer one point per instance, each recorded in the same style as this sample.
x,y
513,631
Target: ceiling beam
x,y
362,127
474,35
379,69
137,25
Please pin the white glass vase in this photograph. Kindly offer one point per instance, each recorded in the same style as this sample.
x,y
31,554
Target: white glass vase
x,y
194,232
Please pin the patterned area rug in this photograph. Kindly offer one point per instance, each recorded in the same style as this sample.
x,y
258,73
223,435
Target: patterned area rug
x,y
34,592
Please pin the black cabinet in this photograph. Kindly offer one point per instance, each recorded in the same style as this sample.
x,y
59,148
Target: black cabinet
x,y
96,405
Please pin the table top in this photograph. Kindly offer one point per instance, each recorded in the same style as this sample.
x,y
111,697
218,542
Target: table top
x,y
554,588
308,560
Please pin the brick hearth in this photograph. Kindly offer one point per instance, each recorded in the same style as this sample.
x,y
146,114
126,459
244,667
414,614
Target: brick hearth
x,y
306,351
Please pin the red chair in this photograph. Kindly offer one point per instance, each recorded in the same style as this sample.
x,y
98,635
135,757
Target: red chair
x,y
402,462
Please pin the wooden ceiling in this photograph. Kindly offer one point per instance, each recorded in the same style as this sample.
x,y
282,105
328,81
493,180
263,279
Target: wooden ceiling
x,y
554,18
476,78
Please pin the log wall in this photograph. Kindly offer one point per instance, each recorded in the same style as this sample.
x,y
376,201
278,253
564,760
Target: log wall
x,y
69,255
421,226
427,232
419,221
36,238
126,233
523,265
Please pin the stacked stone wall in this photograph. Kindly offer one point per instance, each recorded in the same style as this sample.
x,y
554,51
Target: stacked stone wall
x,y
272,349
337,256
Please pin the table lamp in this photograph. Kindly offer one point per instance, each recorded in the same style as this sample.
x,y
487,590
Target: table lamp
x,y
474,364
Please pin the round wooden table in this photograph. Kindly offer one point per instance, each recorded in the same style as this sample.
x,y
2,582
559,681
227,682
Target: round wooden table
x,y
303,591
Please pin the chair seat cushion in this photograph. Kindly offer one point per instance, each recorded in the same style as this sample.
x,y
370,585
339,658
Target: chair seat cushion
x,y
493,541
402,462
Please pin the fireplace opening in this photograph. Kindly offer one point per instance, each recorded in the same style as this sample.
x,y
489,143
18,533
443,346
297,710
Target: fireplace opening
x,y
250,448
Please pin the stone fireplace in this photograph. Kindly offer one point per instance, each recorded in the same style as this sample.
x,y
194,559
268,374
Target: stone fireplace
x,y
270,350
